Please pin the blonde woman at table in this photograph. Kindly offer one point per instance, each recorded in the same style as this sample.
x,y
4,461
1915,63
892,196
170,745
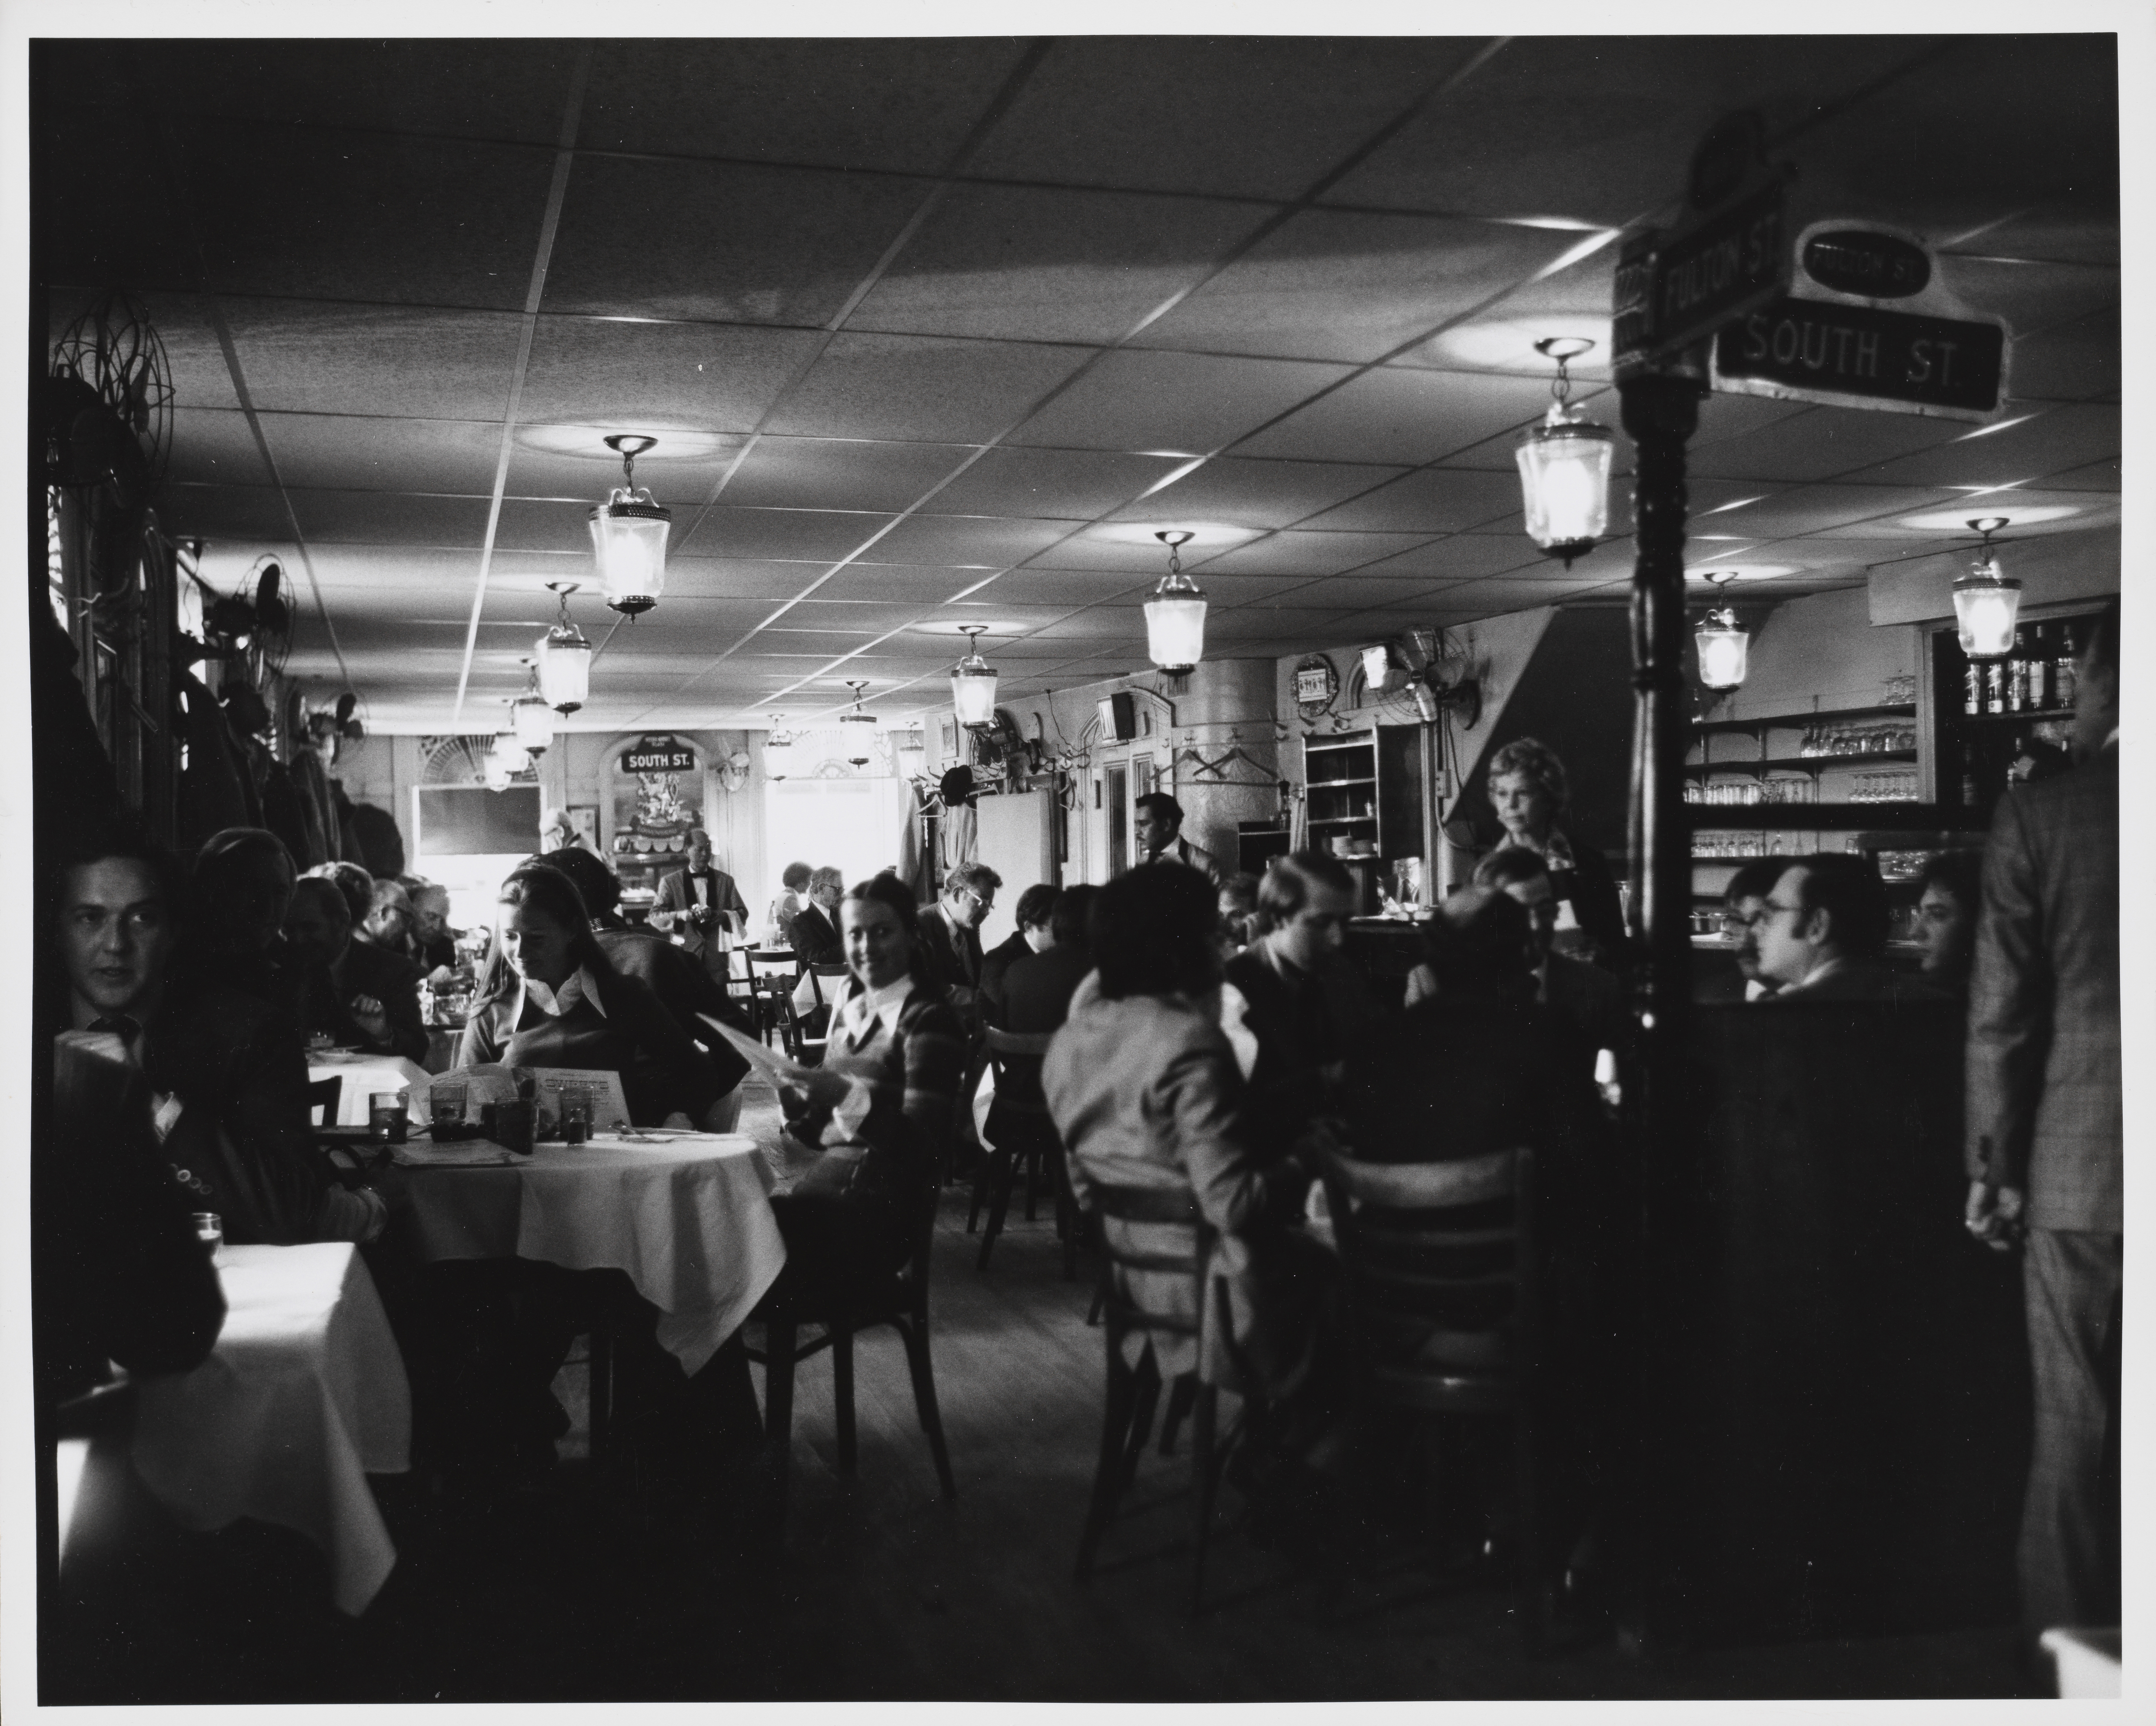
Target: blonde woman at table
x,y
551,997
880,1108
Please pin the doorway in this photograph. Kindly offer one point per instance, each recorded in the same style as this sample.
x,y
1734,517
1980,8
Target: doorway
x,y
1115,792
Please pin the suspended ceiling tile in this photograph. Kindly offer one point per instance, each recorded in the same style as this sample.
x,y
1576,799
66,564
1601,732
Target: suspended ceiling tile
x,y
2066,236
1152,112
1336,285
398,573
725,241
898,585
2029,295
708,620
1064,587
567,463
893,103
253,514
1358,591
920,387
1821,443
1227,589
1459,558
354,453
194,361
851,618
1812,509
2073,361
501,88
1071,485
2030,509
1040,263
539,525
110,220
338,357
390,518
834,473
1598,129
1571,302
2096,476
1255,493
802,534
1494,598
1430,501
1116,548
1191,403
213,446
2054,441
1402,414
738,578
355,216
656,377
968,543
1293,553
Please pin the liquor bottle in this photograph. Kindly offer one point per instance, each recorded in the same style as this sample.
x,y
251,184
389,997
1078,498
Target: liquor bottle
x,y
1973,695
2064,677
1994,687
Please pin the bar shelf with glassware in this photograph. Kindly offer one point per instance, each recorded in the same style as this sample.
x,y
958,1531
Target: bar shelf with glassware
x,y
1996,723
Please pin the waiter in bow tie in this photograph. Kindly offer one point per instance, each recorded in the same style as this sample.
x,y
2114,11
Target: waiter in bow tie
x,y
703,902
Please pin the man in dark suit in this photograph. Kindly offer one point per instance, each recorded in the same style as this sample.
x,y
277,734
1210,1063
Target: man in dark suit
x,y
1036,905
1822,935
1743,902
1037,988
702,900
813,933
950,933
1587,1000
366,996
2046,1138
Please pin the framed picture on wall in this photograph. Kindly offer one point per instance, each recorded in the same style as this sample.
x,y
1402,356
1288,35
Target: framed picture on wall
x,y
948,737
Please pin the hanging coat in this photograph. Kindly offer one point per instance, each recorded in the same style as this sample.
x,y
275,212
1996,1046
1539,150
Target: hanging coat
x,y
212,796
324,845
282,813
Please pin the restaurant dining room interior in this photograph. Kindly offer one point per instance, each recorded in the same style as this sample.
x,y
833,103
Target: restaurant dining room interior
x,y
1073,869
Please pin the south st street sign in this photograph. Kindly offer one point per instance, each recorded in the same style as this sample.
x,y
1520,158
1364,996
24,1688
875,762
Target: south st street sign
x,y
1858,355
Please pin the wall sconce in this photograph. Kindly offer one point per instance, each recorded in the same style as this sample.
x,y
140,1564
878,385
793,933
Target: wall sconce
x,y
1986,603
1564,467
629,535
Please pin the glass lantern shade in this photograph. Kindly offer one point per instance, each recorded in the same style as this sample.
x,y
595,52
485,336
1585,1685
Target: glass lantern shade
x,y
628,548
534,721
1724,650
1175,624
778,755
973,691
508,757
1986,605
859,732
1564,483
565,668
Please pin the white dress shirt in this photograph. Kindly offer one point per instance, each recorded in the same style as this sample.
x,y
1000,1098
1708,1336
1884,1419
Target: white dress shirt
x,y
555,1002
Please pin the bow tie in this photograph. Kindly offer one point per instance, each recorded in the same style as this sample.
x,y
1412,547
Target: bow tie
x,y
121,1025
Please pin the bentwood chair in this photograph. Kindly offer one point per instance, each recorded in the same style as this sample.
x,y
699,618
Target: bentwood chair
x,y
1027,1136
1443,1309
1156,1239
327,1094
808,1035
772,976
900,1301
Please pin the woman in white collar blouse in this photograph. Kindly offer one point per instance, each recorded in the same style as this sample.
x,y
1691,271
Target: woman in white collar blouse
x,y
550,998
879,1107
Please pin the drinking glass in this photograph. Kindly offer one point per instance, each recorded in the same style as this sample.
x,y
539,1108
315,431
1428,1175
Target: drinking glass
x,y
209,1230
445,1109
575,1103
387,1120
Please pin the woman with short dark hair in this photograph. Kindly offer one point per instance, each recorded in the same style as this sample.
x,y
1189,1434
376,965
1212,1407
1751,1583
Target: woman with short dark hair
x,y
1531,793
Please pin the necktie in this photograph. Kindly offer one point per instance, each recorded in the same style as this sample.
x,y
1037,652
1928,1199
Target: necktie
x,y
121,1025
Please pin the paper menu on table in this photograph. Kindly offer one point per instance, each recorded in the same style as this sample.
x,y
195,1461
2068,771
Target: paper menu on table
x,y
765,1060
493,1083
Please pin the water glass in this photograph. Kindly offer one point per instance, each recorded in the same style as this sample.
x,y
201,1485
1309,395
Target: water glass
x,y
387,1119
445,1109
575,1104
209,1230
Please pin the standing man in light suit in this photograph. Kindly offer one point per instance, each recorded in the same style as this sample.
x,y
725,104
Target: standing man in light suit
x,y
704,901
2046,1138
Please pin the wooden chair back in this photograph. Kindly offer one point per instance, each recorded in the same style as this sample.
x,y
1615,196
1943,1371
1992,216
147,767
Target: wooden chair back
x,y
1439,1261
819,972
1171,1206
327,1094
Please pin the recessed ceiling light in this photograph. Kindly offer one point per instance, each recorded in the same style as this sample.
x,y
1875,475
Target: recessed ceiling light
x,y
1985,431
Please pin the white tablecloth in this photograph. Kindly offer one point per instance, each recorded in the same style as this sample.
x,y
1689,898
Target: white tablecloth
x,y
688,1217
363,1075
304,1397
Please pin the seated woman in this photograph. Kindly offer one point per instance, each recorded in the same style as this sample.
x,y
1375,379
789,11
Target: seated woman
x,y
551,997
1144,1088
879,1107
356,995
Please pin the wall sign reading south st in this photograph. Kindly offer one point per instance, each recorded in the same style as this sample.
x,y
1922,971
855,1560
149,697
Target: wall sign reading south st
x,y
659,755
1862,356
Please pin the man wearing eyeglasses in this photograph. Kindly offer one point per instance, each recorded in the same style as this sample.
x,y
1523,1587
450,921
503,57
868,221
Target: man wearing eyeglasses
x,y
1822,935
951,932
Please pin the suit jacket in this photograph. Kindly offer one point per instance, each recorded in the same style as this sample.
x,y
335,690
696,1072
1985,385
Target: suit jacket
x,y
1860,980
1590,1001
1306,1025
950,955
684,989
1037,990
393,980
814,938
676,894
1190,856
995,966
2044,1108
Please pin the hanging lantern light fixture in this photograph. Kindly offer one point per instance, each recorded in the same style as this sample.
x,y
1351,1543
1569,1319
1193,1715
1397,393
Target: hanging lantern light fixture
x,y
505,760
531,718
859,729
1565,465
777,750
974,682
1175,615
629,535
1724,647
1987,603
564,658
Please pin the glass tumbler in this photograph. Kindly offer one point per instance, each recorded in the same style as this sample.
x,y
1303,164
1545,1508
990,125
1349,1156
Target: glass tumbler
x,y
387,1119
575,1102
209,1230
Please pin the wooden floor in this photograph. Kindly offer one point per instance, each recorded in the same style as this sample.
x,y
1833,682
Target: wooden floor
x,y
656,1589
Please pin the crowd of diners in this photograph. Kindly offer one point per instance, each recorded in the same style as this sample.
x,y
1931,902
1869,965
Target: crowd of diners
x,y
1207,1028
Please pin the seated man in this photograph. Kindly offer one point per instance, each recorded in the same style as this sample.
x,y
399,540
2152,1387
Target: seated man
x,y
364,997
228,1088
1823,935
949,935
388,919
813,932
1036,998
1743,902
1036,906
1586,1001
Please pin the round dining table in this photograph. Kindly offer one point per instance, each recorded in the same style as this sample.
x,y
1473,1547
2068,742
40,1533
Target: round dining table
x,y
687,1215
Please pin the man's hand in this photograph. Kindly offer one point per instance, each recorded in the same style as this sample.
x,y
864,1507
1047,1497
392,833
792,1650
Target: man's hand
x,y
368,1014
1993,1214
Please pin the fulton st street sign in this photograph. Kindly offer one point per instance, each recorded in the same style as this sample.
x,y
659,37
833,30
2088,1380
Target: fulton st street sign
x,y
1859,356
1678,287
